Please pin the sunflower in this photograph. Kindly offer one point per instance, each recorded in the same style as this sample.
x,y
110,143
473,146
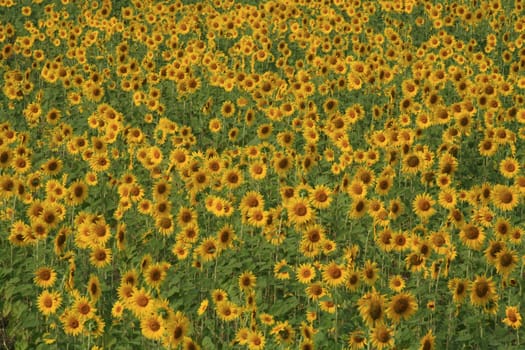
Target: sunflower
x,y
49,302
152,326
165,224
372,308
247,281
313,235
45,277
227,109
509,167
334,274
6,156
357,189
84,307
415,262
225,237
512,317
357,340
320,196
208,249
189,234
100,257
369,273
472,236
21,164
93,287
482,291
130,278
258,170
396,283
299,211
72,323
487,147
459,289
412,163
447,198
315,291
252,199
155,274
227,311
283,333
232,178
427,342
77,192
118,309
186,216
52,167
382,337
255,340
140,302
384,240
353,281
219,295
305,273
422,206
177,327
358,208
282,163
504,197
506,261
383,185
402,305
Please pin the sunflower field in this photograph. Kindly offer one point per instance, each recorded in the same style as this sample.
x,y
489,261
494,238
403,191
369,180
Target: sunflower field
x,y
241,174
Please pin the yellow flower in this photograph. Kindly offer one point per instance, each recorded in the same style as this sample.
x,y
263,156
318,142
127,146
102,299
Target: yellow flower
x,y
512,317
48,302
45,277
